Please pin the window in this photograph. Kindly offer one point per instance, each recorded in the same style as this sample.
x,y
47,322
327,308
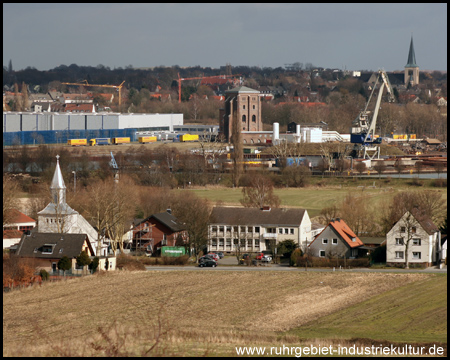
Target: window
x,y
257,243
256,229
249,243
402,229
399,241
286,231
416,255
280,230
253,117
322,253
228,228
324,241
235,229
221,228
244,118
416,242
47,249
243,107
353,239
399,254
221,242
334,241
292,231
214,229
253,107
413,229
214,242
243,229
271,231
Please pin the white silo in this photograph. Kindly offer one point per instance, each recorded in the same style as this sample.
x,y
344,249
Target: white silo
x,y
276,133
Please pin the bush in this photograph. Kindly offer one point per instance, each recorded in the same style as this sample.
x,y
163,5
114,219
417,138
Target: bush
x,y
94,264
379,254
296,257
332,262
174,260
127,262
44,274
440,183
416,182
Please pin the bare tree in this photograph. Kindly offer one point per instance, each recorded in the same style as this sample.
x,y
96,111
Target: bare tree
x,y
328,213
195,213
260,193
357,214
238,151
10,201
360,167
399,166
379,167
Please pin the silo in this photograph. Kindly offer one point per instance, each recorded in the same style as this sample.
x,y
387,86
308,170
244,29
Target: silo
x,y
276,132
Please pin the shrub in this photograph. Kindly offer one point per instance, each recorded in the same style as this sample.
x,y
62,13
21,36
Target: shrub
x,y
44,274
332,262
174,260
440,183
416,182
296,257
379,254
127,262
94,264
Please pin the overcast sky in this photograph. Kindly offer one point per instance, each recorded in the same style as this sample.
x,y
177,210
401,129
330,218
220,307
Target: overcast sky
x,y
343,36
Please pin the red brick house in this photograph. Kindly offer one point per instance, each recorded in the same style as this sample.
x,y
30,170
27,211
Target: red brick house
x,y
162,229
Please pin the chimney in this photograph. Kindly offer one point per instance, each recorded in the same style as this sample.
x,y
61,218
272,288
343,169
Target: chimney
x,y
338,219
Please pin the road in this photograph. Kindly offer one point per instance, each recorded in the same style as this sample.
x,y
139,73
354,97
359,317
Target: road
x,y
230,264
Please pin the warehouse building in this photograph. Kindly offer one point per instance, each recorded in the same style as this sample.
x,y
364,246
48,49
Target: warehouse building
x,y
31,128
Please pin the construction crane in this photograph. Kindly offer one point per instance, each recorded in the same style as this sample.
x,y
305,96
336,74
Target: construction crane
x,y
85,83
113,164
180,79
363,129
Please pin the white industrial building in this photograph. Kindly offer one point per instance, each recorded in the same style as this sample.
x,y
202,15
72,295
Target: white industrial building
x,y
308,134
26,121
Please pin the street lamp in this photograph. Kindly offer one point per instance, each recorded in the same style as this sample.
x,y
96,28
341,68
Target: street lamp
x,y
74,181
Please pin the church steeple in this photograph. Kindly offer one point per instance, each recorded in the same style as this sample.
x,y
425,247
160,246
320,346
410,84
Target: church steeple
x,y
411,68
57,187
411,56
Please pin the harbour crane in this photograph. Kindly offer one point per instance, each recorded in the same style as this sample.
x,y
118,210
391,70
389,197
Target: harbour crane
x,y
113,164
362,132
180,79
85,83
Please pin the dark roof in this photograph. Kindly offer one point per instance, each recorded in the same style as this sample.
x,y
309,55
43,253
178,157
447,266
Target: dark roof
x,y
411,55
69,245
373,240
166,219
254,216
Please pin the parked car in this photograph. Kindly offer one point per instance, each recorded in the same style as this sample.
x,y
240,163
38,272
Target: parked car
x,y
214,256
264,257
205,257
221,255
208,263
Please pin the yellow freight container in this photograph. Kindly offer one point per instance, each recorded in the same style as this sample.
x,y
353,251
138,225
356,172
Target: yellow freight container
x,y
188,137
77,142
121,140
147,139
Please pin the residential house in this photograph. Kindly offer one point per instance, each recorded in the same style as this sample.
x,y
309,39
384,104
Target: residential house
x,y
256,230
19,224
420,234
46,250
337,239
162,229
76,99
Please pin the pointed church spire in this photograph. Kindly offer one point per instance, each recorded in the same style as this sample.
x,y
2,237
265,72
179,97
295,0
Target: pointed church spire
x,y
411,56
57,187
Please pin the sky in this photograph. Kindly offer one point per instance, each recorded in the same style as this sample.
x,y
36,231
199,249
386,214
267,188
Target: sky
x,y
339,36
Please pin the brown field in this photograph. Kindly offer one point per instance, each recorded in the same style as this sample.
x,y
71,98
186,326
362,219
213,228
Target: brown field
x,y
184,313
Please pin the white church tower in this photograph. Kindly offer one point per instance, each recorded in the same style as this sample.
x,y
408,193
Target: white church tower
x,y
59,217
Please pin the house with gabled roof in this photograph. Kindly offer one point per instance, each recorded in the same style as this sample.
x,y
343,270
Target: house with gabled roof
x,y
256,230
18,225
417,234
157,230
337,239
46,249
